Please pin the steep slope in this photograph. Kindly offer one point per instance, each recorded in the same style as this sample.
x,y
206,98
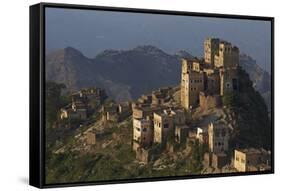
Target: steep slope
x,y
260,78
252,123
71,67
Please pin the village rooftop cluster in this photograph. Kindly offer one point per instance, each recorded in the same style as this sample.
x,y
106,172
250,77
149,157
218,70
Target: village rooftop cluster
x,y
157,117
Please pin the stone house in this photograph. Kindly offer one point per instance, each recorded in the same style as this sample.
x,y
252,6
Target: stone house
x,y
81,103
215,160
116,112
124,110
68,112
252,159
211,47
218,134
142,133
192,82
145,111
163,124
80,108
110,112
227,56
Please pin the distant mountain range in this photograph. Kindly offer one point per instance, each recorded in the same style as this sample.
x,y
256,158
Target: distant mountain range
x,y
126,74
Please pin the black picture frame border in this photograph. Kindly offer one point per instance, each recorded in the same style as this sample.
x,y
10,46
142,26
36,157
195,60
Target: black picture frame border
x,y
37,92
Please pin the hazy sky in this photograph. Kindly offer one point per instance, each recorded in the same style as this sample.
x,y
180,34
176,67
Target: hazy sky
x,y
93,31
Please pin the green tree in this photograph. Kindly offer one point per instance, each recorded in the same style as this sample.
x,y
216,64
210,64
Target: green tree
x,y
53,101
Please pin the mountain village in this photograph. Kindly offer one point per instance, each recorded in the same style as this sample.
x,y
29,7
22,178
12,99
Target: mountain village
x,y
169,120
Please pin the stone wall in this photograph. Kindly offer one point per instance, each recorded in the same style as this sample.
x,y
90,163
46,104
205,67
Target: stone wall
x,y
228,80
216,161
219,160
209,101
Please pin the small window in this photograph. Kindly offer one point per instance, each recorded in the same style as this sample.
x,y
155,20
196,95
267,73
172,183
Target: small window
x,y
235,84
223,133
144,129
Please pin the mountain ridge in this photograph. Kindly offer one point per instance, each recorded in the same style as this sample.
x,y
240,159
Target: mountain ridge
x,y
126,74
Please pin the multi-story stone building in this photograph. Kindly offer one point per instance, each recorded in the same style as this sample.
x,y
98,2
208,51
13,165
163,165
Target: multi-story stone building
x,y
143,117
192,82
211,47
218,134
228,55
142,133
218,138
217,74
163,125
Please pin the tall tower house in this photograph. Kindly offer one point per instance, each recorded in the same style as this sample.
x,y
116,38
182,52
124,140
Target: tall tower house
x,y
211,48
192,82
228,55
